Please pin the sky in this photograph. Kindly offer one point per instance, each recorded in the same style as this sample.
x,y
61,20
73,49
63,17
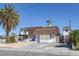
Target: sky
x,y
36,14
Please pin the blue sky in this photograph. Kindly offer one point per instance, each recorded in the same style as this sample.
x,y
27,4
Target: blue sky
x,y
37,14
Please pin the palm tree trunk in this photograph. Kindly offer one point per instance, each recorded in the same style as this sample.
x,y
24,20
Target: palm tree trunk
x,y
7,37
7,34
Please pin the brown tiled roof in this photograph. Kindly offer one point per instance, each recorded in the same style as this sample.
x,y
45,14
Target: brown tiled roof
x,y
43,30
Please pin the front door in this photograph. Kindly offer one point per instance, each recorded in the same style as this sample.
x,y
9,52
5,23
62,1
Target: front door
x,y
33,38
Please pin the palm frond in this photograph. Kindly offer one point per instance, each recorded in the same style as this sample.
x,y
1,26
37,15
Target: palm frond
x,y
8,18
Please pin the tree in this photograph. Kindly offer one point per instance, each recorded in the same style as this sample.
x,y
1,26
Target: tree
x,y
67,28
49,23
8,18
74,37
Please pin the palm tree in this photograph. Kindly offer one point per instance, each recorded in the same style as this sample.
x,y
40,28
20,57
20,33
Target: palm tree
x,y
8,18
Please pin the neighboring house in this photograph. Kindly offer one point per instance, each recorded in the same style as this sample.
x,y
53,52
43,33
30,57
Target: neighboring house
x,y
23,33
44,34
66,32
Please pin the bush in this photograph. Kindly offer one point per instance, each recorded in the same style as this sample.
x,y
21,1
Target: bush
x,y
74,37
10,39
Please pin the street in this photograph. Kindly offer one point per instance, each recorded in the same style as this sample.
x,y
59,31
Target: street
x,y
27,53
21,53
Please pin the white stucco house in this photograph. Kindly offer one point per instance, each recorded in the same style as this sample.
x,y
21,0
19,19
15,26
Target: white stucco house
x,y
66,33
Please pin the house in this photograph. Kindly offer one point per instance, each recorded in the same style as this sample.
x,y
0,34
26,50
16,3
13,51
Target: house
x,y
44,34
23,33
41,34
66,32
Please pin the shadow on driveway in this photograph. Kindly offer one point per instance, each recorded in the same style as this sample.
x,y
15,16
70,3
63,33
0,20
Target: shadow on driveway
x,y
65,45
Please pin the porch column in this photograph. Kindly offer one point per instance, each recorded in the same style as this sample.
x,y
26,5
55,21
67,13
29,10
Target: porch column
x,y
38,38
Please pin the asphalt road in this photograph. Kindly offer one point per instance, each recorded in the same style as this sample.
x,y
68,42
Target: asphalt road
x,y
30,53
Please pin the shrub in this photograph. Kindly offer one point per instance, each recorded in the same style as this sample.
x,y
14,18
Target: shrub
x,y
74,37
10,39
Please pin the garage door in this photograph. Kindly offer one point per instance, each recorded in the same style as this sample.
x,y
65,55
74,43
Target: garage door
x,y
44,37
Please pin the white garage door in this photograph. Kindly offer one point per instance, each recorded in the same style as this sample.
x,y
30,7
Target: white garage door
x,y
44,38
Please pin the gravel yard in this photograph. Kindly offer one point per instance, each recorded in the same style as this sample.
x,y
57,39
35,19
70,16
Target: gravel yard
x,y
15,45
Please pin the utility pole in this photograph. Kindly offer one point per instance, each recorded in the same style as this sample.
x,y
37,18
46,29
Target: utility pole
x,y
70,24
